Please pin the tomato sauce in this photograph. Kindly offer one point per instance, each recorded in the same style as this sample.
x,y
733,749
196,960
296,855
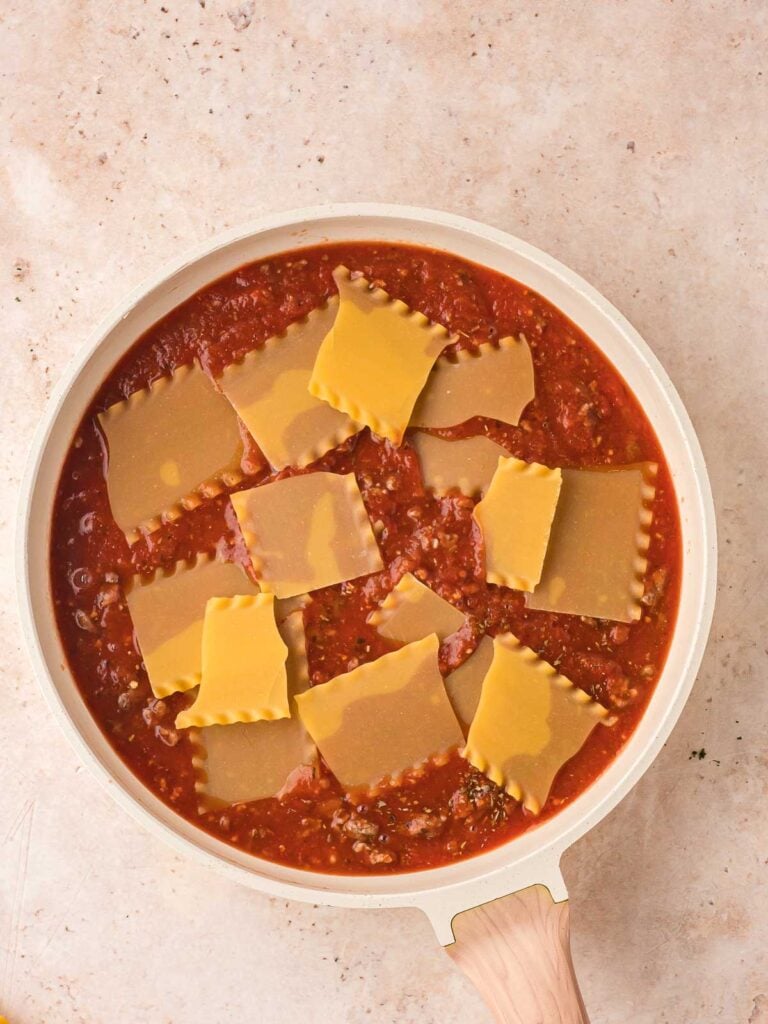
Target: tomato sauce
x,y
583,415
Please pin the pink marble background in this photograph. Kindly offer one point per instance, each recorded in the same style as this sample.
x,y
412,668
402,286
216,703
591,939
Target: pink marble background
x,y
627,138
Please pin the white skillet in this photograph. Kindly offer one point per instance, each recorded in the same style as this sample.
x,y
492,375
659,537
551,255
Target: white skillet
x,y
515,949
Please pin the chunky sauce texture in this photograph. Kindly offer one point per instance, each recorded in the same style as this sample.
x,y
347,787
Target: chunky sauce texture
x,y
583,415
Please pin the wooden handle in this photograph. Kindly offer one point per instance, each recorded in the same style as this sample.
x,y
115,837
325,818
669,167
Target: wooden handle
x,y
517,953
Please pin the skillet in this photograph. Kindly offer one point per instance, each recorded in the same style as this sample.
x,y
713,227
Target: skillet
x,y
503,915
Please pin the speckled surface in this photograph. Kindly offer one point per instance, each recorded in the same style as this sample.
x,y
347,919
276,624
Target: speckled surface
x,y
628,139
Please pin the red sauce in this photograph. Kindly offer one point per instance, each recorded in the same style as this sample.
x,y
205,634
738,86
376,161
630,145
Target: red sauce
x,y
583,415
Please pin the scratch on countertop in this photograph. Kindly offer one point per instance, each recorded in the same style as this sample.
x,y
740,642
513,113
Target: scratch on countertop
x,y
21,832
60,918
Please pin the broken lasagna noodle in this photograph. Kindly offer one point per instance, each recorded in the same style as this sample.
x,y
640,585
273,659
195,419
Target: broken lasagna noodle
x,y
596,557
529,721
158,463
168,609
375,359
515,518
466,465
492,381
412,611
243,675
465,683
270,391
380,720
307,532
256,760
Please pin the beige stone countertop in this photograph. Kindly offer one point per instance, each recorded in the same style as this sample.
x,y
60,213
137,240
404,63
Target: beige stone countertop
x,y
626,137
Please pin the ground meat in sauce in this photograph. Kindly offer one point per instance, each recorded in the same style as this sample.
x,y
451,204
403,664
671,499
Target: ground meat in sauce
x,y
583,414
